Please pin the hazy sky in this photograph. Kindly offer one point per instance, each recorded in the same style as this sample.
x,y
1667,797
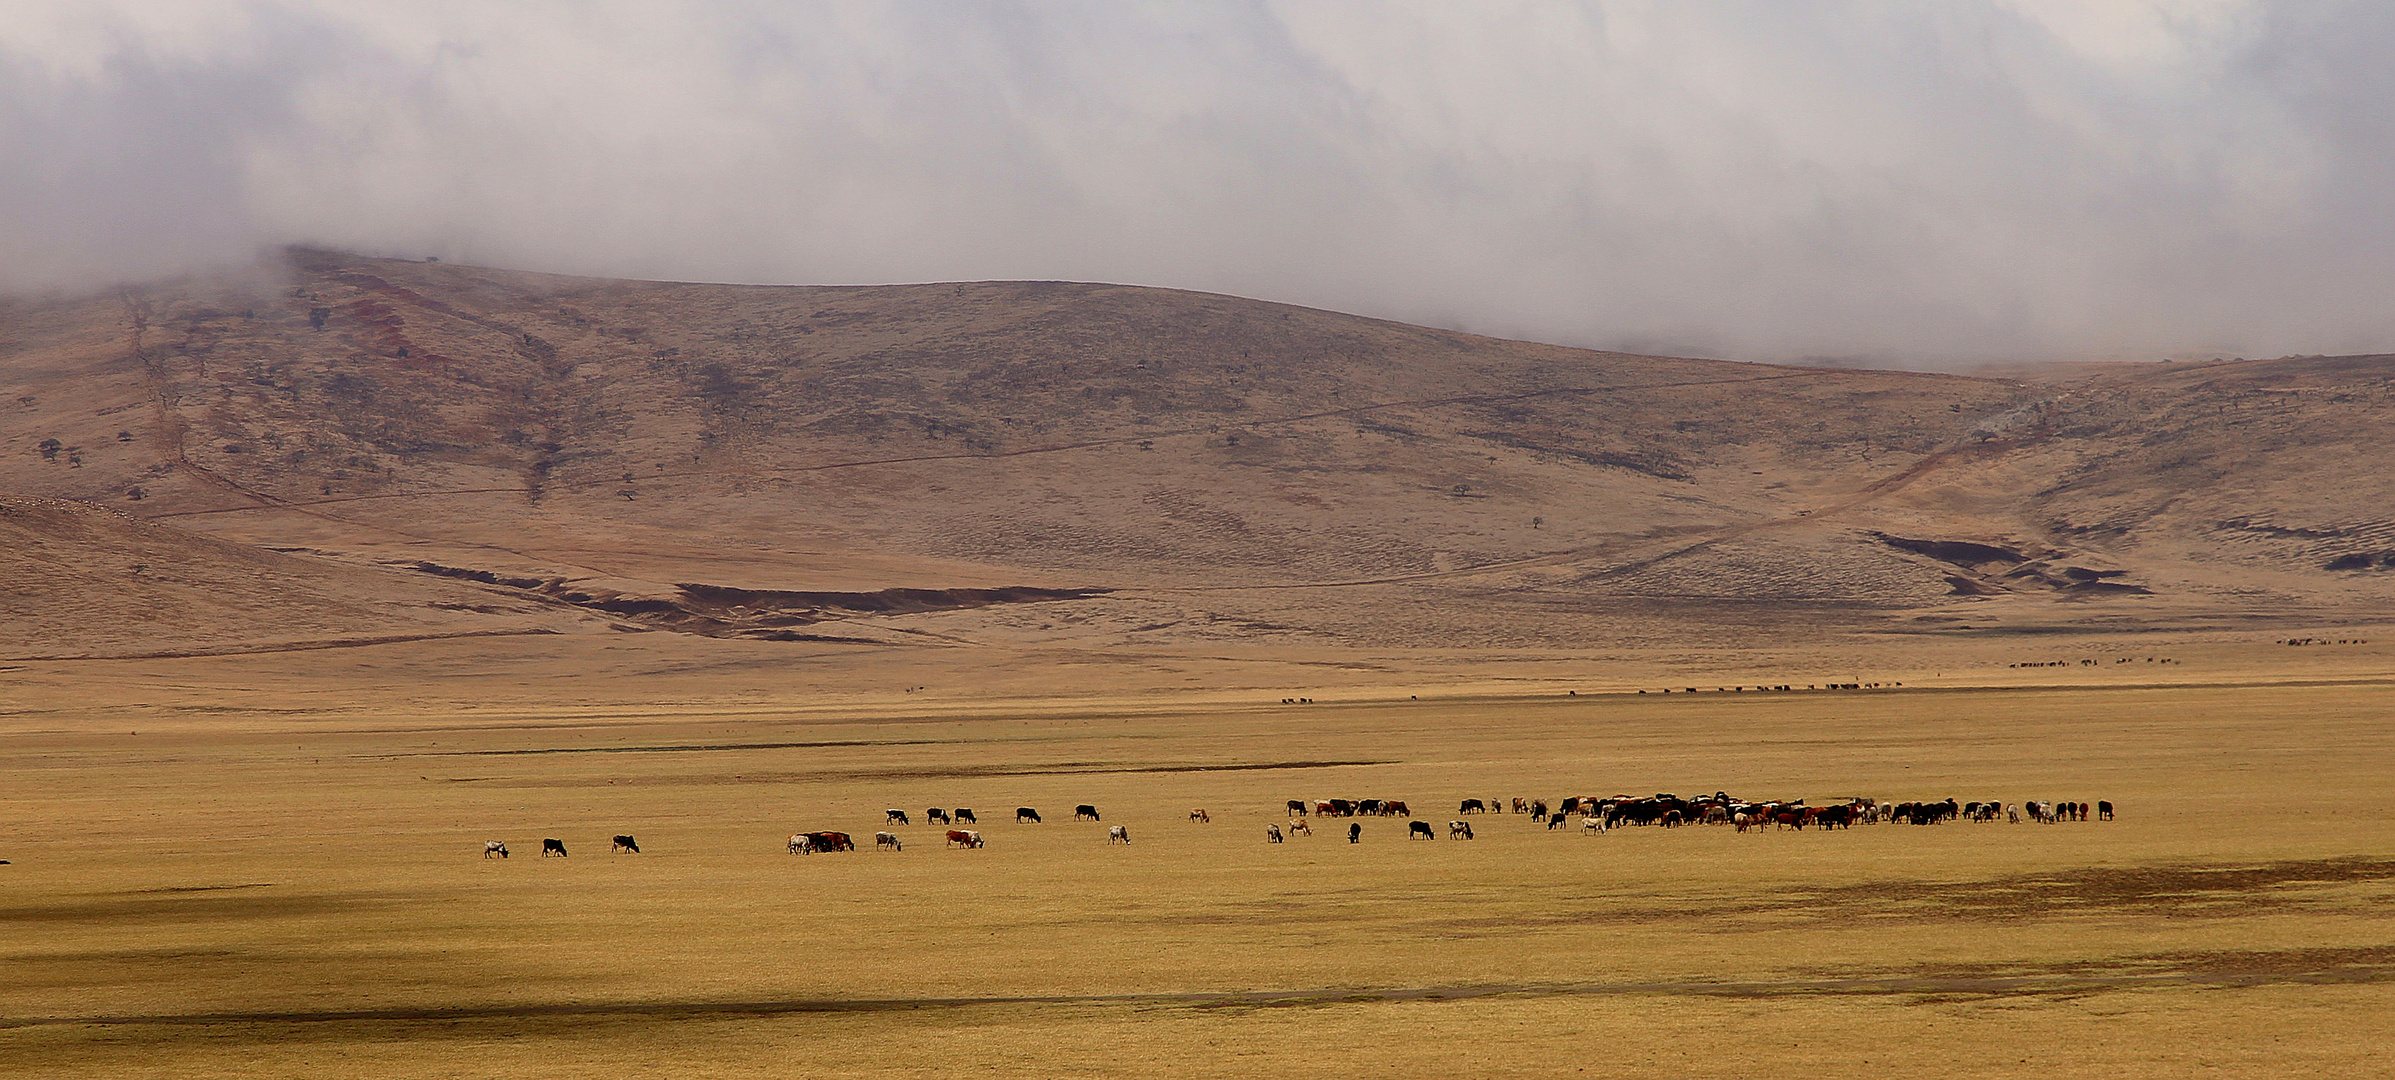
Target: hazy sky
x,y
1919,182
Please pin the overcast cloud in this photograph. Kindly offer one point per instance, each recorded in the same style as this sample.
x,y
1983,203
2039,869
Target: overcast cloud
x,y
1924,182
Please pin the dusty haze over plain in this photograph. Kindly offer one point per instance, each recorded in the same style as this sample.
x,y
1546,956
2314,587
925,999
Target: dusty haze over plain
x,y
1919,184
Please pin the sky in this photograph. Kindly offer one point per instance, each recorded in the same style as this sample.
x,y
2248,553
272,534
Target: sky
x,y
1929,183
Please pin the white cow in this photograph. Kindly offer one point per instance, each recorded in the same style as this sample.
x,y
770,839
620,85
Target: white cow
x,y
887,840
1117,834
801,844
1593,825
1272,834
494,847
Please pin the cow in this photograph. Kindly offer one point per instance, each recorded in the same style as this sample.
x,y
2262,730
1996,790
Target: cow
x,y
886,840
2103,810
1592,825
1521,806
1298,825
1272,834
1395,808
936,814
1085,810
895,816
832,841
1199,815
965,816
1459,830
1412,830
959,836
1322,807
801,844
1555,820
1538,808
1368,806
626,843
494,847
1471,806
1297,807
552,847
1497,805
1116,834
1022,814
972,838
1355,833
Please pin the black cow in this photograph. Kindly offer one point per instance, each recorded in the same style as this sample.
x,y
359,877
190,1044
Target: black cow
x,y
1023,814
1538,808
1419,828
965,817
2103,810
552,847
626,843
1355,833
895,816
1297,807
936,814
1555,820
1085,810
1471,806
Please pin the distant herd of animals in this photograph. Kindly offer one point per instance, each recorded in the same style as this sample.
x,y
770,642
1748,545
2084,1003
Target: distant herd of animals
x,y
1596,816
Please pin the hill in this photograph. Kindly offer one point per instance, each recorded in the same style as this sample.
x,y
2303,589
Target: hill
x,y
1062,465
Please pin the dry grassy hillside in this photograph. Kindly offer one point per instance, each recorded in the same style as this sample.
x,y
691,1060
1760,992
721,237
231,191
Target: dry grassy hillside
x,y
1055,463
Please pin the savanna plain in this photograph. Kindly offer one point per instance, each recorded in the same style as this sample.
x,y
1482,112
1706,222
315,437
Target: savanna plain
x,y
316,577
294,885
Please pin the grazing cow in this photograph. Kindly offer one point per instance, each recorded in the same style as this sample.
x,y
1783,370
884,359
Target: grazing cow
x,y
1395,808
1538,808
2013,814
1085,810
1459,830
1272,834
1298,825
936,814
886,840
626,843
832,841
801,844
1368,806
552,847
1322,807
1521,806
1471,806
494,847
1412,830
965,817
1022,814
895,816
1297,807
962,837
1555,820
1200,816
1116,834
1593,825
2103,810
1497,806
972,838
1355,833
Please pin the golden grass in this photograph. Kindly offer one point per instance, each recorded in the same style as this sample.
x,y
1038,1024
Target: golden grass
x,y
262,894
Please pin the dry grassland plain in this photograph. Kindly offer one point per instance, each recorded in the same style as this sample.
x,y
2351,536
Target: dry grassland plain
x,y
293,886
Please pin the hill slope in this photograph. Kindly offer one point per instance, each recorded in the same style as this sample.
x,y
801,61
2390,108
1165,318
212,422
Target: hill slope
x,y
1082,464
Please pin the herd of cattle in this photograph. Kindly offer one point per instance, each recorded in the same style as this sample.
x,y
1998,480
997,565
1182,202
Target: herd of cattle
x,y
1597,816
